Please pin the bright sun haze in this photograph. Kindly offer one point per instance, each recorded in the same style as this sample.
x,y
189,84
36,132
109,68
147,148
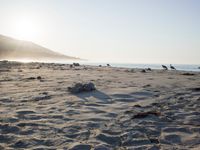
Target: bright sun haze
x,y
129,31
25,28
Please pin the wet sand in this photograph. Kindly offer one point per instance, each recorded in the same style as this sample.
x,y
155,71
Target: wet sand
x,y
130,109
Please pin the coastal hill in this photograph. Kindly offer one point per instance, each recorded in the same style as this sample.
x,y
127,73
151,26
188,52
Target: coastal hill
x,y
13,49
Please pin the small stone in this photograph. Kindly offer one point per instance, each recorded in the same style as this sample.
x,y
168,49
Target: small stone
x,y
39,77
143,71
31,78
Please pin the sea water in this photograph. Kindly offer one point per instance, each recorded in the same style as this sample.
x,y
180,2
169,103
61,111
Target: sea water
x,y
182,67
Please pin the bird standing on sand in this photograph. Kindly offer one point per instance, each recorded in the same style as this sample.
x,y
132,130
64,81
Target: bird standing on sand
x,y
164,67
172,67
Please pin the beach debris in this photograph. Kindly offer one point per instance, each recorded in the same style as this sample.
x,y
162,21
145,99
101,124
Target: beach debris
x,y
79,88
137,105
44,93
154,140
31,78
76,64
147,85
172,67
41,97
39,77
146,114
143,71
188,74
164,67
38,67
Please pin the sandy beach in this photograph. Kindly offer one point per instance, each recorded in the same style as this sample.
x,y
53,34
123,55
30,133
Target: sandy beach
x,y
130,109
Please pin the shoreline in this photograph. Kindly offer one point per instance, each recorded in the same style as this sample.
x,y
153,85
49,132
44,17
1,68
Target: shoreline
x,y
115,65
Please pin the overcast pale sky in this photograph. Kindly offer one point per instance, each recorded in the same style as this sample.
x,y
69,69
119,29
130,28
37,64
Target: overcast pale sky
x,y
136,31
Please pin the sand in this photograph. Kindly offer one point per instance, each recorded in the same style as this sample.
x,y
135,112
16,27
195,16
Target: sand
x,y
129,109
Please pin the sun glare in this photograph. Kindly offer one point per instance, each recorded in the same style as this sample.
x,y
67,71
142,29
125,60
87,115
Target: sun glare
x,y
25,29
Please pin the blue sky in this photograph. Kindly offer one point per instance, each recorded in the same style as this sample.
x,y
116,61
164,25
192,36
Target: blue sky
x,y
136,31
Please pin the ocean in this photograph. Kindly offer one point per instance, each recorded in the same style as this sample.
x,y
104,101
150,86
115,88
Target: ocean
x,y
182,67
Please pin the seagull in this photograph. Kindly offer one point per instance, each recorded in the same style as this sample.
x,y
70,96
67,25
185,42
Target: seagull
x,y
108,65
164,67
172,67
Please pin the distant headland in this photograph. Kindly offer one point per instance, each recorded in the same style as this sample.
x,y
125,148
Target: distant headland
x,y
13,49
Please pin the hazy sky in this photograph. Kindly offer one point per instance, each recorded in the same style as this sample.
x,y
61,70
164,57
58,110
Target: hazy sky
x,y
137,31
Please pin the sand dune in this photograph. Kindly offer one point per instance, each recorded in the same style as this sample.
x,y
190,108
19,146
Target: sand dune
x,y
127,111
12,49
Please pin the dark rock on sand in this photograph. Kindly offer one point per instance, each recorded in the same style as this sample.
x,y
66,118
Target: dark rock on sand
x,y
79,87
41,97
154,141
188,74
39,77
31,78
76,64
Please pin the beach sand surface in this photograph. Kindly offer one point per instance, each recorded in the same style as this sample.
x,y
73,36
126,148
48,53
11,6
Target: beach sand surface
x,y
129,110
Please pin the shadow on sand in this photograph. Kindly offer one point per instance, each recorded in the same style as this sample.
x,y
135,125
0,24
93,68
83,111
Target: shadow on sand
x,y
95,94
